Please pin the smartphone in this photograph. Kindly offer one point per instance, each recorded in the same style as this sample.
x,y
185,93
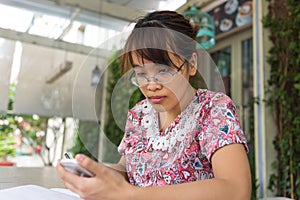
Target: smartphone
x,y
72,166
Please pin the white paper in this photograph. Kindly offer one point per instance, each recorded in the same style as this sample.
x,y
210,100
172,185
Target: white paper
x,y
34,192
65,191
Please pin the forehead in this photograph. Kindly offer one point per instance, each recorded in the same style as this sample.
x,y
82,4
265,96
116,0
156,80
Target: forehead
x,y
172,58
138,60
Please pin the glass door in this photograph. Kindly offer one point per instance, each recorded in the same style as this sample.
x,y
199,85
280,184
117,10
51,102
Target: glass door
x,y
222,59
247,85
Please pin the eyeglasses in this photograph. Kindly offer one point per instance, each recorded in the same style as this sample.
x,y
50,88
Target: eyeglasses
x,y
164,75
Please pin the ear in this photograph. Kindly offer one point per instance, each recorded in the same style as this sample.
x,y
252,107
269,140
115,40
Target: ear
x,y
193,64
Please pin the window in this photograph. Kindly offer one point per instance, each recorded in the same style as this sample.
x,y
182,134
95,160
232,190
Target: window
x,y
222,59
247,84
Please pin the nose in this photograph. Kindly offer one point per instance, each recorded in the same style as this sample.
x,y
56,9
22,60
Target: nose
x,y
153,85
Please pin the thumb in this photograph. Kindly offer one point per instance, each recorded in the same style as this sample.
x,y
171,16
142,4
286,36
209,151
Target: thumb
x,y
89,164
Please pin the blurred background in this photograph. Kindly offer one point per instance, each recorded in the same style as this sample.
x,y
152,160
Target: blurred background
x,y
59,64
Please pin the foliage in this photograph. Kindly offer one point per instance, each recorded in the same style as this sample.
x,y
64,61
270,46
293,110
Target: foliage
x,y
111,129
7,122
32,130
29,128
283,22
86,139
7,141
251,145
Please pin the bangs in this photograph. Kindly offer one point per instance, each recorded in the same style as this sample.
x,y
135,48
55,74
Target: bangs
x,y
154,55
153,44
156,44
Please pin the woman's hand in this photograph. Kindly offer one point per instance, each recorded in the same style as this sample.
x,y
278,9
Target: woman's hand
x,y
108,182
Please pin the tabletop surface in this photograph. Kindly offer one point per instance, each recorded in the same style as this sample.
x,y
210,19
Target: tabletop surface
x,y
42,176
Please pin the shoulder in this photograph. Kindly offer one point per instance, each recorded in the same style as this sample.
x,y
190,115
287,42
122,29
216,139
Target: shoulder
x,y
221,125
208,95
217,111
210,99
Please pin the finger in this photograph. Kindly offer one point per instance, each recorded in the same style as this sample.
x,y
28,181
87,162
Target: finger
x,y
73,189
60,169
72,181
89,164
68,177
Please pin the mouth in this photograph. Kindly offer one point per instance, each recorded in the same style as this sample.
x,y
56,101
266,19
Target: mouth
x,y
156,99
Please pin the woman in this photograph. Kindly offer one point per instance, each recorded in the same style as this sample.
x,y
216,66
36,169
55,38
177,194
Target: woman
x,y
180,142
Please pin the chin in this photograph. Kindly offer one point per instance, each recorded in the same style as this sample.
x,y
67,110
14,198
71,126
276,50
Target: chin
x,y
159,107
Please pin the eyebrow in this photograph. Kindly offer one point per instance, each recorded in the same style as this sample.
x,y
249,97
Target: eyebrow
x,y
136,65
155,65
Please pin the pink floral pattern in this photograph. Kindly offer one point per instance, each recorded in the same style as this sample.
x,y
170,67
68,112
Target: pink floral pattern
x,y
182,153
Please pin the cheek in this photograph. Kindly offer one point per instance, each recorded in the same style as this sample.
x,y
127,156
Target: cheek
x,y
179,85
143,89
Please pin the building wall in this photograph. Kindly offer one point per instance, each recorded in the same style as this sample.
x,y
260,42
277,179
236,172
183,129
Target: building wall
x,y
264,124
265,128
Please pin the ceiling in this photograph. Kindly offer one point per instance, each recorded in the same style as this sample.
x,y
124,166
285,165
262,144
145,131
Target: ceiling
x,y
108,12
41,56
116,15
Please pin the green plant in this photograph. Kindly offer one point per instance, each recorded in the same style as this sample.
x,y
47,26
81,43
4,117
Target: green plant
x,y
30,128
283,88
86,139
7,127
7,141
251,145
111,129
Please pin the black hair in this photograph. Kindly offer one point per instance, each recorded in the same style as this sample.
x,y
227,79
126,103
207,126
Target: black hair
x,y
157,35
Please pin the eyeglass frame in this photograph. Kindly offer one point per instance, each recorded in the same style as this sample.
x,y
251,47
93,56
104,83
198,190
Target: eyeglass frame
x,y
133,77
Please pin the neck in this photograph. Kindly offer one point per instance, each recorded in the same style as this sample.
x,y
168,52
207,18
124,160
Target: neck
x,y
167,117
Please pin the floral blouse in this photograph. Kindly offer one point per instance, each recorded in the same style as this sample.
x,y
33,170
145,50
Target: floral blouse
x,y
182,153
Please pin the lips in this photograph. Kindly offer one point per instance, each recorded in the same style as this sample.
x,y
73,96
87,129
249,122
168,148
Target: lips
x,y
156,99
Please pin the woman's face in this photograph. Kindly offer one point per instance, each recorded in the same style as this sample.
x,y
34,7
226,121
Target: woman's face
x,y
169,96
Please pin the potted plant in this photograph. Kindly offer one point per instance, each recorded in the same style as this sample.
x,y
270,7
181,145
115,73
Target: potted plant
x,y
15,128
7,141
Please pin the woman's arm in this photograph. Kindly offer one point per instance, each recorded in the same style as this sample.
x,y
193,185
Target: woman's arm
x,y
109,182
120,167
232,180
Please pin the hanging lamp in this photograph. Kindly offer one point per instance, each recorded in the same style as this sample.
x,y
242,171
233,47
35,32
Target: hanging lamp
x,y
96,76
204,23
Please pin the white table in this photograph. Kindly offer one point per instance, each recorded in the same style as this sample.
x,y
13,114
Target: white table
x,y
42,176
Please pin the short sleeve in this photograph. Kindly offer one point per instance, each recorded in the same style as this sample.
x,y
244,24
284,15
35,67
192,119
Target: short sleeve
x,y
128,138
221,126
132,139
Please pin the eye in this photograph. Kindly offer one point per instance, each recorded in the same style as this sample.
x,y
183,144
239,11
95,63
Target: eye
x,y
163,70
139,71
140,74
